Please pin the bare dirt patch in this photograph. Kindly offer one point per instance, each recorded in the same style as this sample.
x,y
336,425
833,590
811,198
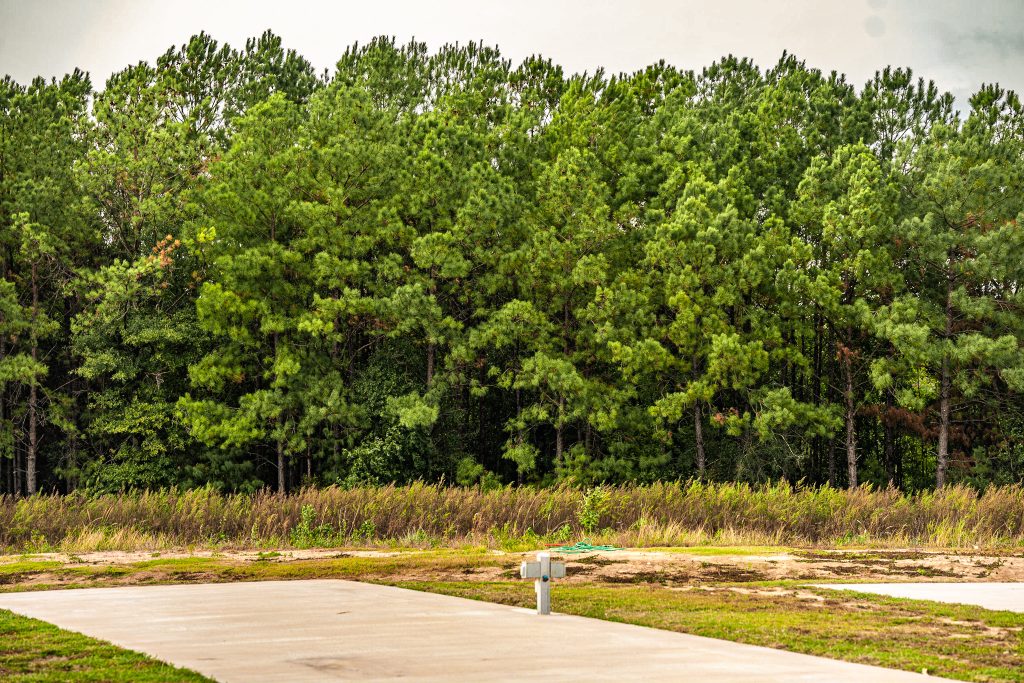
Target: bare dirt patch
x,y
801,565
618,568
676,567
124,557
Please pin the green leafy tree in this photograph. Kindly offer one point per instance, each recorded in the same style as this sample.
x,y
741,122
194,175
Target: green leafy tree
x,y
847,210
961,324
253,298
43,239
136,338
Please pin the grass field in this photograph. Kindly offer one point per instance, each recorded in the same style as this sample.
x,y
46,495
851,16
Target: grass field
x,y
33,651
716,592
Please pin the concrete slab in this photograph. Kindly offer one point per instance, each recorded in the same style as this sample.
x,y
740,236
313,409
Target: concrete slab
x,y
332,630
998,596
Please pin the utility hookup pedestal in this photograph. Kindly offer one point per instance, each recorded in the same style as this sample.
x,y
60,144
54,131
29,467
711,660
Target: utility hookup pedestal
x,y
543,570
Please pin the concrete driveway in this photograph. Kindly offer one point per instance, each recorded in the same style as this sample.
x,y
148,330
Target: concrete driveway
x,y
998,596
332,630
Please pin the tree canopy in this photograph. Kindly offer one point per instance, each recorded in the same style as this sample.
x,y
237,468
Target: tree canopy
x,y
225,269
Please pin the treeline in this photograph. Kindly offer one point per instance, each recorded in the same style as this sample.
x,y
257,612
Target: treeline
x,y
226,269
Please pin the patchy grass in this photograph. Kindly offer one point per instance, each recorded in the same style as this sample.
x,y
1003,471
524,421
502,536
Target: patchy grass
x,y
747,598
25,566
955,641
708,566
37,652
45,575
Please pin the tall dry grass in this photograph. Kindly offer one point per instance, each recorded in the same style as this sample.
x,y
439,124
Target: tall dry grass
x,y
426,514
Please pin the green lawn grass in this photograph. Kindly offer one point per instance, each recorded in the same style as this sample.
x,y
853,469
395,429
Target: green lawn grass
x,y
33,651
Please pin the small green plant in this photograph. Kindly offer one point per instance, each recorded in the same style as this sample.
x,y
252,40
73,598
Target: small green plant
x,y
306,535
38,543
365,531
264,557
591,507
562,533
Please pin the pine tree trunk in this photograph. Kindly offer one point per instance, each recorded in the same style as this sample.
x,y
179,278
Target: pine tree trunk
x,y
30,459
334,364
335,437
833,475
899,462
559,440
431,352
818,444
3,402
942,454
72,480
520,434
698,431
890,454
851,432
698,426
7,483
281,486
33,395
280,467
893,454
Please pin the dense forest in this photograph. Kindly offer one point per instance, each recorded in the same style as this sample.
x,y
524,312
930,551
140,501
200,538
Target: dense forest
x,y
226,269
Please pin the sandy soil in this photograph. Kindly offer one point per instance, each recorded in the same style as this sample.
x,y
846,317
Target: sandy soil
x,y
119,557
630,566
803,565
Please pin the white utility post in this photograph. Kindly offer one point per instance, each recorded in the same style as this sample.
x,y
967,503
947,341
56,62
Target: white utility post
x,y
543,570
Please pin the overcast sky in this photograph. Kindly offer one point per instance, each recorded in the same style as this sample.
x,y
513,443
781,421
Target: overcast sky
x,y
958,43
